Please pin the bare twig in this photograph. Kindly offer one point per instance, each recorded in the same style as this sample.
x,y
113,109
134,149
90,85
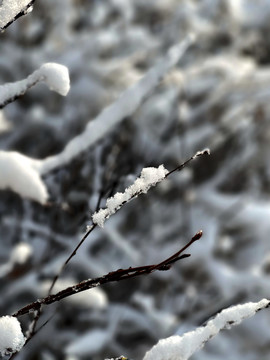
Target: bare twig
x,y
118,275
92,227
181,167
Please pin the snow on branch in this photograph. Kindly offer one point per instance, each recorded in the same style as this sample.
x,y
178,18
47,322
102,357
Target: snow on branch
x,y
182,347
19,174
12,10
125,106
11,336
55,76
149,178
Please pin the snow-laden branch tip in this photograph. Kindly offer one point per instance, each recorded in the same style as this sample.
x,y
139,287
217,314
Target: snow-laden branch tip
x,y
12,10
182,347
125,106
149,177
19,174
55,76
11,336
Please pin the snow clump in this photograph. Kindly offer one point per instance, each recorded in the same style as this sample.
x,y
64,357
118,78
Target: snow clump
x,y
19,174
149,177
11,336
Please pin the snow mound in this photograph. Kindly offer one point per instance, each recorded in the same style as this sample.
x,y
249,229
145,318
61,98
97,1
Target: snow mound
x,y
56,76
11,336
19,174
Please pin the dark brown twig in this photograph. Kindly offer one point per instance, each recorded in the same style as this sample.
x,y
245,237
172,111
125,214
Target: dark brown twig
x,y
118,275
92,227
181,167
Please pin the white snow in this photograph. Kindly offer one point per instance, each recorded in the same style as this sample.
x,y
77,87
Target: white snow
x,y
19,256
202,152
19,173
11,336
251,13
55,76
182,347
125,106
149,177
10,9
21,253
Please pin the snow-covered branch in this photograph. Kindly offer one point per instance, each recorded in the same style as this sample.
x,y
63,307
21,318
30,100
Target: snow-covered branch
x,y
18,172
125,106
182,347
149,178
55,76
12,10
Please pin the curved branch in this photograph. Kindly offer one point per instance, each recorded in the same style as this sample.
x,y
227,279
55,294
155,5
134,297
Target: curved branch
x,y
118,275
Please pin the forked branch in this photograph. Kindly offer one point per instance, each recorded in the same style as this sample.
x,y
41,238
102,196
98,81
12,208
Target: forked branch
x,y
118,275
93,226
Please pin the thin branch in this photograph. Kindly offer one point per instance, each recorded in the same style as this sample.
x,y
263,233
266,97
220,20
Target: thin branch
x,y
181,167
92,227
35,331
118,275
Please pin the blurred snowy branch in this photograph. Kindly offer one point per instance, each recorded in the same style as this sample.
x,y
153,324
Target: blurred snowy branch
x,y
125,106
55,76
182,347
19,174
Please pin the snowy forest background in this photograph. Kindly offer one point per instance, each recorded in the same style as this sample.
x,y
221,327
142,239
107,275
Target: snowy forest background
x,y
216,97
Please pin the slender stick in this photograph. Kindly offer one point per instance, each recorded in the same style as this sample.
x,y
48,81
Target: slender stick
x,y
93,226
118,275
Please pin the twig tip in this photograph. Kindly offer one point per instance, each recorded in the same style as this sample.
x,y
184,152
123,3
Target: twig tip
x,y
198,235
205,151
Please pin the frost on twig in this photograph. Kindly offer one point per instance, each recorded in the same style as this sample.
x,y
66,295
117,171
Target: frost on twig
x,y
11,336
19,174
55,76
182,347
125,106
12,10
149,178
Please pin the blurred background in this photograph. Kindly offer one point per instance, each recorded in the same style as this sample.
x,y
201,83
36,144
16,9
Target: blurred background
x,y
217,97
